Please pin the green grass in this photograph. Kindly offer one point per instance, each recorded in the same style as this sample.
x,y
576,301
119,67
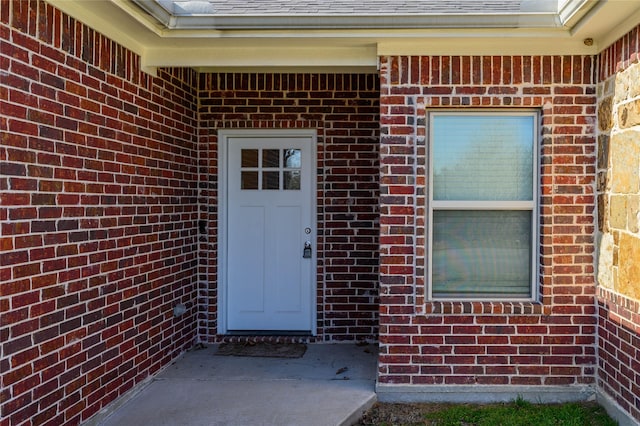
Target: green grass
x,y
521,413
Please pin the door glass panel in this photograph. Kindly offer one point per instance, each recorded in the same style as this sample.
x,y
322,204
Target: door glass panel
x,y
270,180
249,158
291,158
292,179
270,158
273,165
249,180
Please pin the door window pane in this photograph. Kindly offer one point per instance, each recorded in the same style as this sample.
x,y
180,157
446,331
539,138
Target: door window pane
x,y
249,180
249,158
481,253
292,179
482,157
270,180
291,159
270,158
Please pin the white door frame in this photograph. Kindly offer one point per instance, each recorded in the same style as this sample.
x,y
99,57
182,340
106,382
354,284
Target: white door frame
x,y
223,152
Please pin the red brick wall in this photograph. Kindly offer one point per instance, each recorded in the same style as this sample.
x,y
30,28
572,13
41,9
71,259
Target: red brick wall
x,y
618,309
98,210
547,343
102,167
618,350
344,110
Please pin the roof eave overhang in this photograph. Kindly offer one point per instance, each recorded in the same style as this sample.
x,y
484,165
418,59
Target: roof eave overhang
x,y
344,43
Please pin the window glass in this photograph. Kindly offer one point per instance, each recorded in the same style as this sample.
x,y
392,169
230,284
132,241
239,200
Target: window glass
x,y
249,158
270,169
292,179
481,253
249,180
270,158
270,180
291,158
482,157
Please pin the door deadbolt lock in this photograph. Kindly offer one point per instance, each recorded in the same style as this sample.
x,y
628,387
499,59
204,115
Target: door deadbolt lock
x,y
306,253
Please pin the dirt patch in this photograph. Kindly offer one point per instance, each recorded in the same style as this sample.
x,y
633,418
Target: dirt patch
x,y
400,414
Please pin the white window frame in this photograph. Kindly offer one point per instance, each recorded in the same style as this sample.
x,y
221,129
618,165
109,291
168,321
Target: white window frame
x,y
532,206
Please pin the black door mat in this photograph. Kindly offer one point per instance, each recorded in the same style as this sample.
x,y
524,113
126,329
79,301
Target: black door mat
x,y
263,349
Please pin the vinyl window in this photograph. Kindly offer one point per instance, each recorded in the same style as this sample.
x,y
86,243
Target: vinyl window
x,y
482,205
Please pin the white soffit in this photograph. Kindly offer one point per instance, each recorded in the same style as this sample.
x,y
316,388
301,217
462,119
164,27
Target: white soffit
x,y
347,41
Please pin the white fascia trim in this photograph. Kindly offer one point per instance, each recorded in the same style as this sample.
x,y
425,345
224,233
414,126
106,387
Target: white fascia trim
x,y
151,21
490,45
153,8
277,53
302,22
263,57
162,13
287,69
571,11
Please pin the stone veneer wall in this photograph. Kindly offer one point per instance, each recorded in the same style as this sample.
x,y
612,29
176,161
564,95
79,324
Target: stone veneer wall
x,y
99,212
619,222
344,109
548,342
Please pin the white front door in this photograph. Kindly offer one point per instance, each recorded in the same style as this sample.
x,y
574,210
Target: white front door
x,y
269,221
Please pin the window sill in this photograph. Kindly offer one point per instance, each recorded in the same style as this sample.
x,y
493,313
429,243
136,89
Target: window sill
x,y
486,308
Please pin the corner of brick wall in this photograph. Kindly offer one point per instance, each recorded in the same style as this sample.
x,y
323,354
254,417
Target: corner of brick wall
x,y
98,210
548,342
618,193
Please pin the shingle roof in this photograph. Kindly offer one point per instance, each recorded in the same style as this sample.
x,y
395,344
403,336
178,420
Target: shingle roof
x,y
350,7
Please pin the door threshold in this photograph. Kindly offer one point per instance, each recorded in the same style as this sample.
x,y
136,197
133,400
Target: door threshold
x,y
267,333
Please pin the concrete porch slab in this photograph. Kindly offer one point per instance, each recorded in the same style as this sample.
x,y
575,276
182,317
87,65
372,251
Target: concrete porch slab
x,y
204,389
